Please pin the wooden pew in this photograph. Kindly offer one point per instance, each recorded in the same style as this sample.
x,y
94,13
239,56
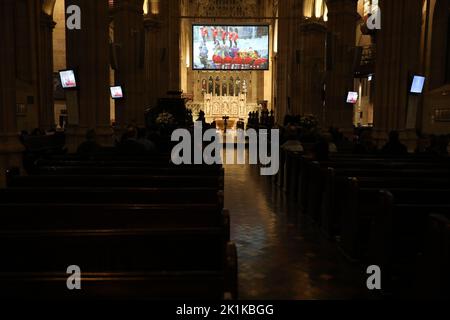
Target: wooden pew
x,y
112,195
291,172
164,171
432,277
320,179
51,286
169,240
320,174
309,171
341,199
398,237
159,162
172,263
109,216
357,221
114,181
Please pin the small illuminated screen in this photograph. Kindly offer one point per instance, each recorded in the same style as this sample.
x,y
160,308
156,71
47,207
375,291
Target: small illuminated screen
x,y
116,92
352,97
68,80
417,84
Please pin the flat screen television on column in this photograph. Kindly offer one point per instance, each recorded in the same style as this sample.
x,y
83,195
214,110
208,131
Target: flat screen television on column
x,y
116,92
417,84
230,47
68,79
352,97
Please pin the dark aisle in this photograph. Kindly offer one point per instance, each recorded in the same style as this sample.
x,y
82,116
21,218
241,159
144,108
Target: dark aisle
x,y
277,259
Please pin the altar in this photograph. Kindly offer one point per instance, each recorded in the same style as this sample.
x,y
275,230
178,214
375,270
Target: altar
x,y
235,107
216,107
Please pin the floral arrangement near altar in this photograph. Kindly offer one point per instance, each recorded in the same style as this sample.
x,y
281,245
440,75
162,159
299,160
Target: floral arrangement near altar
x,y
308,127
308,122
165,118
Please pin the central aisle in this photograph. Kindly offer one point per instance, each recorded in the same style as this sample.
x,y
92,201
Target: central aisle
x,y
277,259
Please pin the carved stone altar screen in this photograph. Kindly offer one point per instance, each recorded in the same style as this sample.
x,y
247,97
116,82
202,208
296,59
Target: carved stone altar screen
x,y
218,106
223,95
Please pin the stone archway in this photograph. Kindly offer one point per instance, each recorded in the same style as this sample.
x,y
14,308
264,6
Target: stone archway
x,y
48,6
46,83
439,43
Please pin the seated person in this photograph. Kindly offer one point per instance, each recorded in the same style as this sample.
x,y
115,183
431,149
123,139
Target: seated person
x,y
422,144
130,144
90,146
292,144
143,139
321,150
365,144
332,148
394,146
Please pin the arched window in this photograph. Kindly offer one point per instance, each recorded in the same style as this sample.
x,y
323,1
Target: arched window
x,y
217,86
231,86
154,7
48,6
238,86
224,86
315,9
211,85
146,6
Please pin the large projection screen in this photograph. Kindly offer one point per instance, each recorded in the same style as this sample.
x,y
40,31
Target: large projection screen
x,y
230,47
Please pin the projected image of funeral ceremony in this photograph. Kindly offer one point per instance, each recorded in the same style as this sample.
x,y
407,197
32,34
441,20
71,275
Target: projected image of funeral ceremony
x,y
231,47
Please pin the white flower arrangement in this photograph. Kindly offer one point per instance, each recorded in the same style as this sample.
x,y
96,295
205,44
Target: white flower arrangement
x,y
165,118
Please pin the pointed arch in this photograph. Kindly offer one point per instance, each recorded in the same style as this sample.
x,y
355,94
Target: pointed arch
x,y
48,6
231,86
315,9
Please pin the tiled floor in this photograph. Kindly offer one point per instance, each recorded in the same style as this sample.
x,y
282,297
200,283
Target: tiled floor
x,y
280,259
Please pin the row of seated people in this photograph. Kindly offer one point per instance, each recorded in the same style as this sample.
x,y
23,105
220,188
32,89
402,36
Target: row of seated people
x,y
389,210
137,227
363,142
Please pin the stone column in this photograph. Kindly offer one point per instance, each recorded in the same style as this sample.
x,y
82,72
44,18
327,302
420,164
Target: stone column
x,y
284,60
46,101
171,31
153,59
162,51
129,36
10,147
398,56
312,67
342,17
88,53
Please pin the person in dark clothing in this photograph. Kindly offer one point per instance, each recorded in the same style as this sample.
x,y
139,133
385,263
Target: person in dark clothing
x,y
394,146
150,146
365,144
321,151
438,145
90,146
130,144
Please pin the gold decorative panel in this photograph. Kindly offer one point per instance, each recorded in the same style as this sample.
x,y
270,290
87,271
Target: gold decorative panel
x,y
227,8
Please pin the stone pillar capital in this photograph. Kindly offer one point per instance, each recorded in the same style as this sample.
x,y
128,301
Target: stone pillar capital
x,y
312,25
333,2
150,23
47,21
91,103
135,6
